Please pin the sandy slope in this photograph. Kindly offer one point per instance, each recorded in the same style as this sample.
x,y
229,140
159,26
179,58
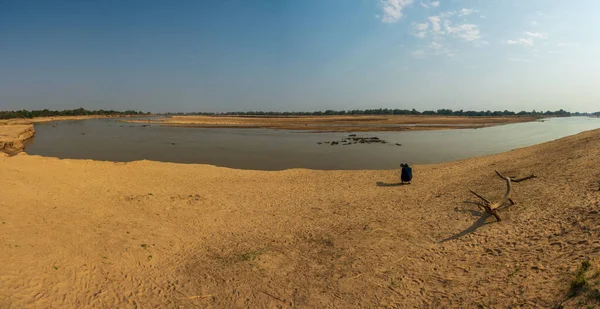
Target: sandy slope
x,y
13,136
86,234
339,123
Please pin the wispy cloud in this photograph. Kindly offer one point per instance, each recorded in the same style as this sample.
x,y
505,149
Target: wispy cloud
x,y
433,49
435,45
392,9
433,4
528,40
447,14
521,41
465,12
420,29
536,35
565,44
467,32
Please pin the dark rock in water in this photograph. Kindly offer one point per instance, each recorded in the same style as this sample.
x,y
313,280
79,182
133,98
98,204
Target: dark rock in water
x,y
82,133
353,139
398,144
172,143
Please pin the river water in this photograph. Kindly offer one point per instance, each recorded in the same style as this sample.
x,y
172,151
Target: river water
x,y
263,149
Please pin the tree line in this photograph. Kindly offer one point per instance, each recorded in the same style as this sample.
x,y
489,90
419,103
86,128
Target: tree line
x,y
386,111
67,112
380,111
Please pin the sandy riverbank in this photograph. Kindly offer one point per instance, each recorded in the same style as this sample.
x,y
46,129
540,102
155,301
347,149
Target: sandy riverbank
x,y
339,123
12,137
88,234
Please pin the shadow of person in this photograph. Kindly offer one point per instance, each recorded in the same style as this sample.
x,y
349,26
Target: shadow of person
x,y
382,184
477,224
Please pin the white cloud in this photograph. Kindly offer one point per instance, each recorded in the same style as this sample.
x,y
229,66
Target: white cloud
x,y
435,45
485,42
465,12
392,9
467,32
435,4
420,29
435,23
534,23
482,16
536,35
521,41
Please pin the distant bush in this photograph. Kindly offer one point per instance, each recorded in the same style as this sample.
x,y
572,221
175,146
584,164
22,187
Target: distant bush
x,y
386,111
68,112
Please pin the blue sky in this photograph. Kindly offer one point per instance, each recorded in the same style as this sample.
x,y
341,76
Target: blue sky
x,y
305,55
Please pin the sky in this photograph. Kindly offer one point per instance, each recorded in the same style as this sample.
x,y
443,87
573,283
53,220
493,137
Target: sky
x,y
280,55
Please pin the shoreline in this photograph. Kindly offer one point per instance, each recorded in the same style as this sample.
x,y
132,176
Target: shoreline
x,y
113,234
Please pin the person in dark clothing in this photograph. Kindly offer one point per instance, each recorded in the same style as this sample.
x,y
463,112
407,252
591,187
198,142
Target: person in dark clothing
x,y
406,174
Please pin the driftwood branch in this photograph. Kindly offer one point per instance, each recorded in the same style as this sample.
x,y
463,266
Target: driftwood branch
x,y
492,208
513,179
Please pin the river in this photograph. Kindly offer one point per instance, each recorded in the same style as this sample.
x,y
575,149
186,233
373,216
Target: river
x,y
264,149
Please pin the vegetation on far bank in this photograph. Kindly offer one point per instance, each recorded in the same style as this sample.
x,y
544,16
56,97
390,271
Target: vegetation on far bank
x,y
68,112
386,111
381,111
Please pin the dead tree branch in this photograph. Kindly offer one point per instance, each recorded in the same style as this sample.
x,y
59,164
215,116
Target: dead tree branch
x,y
514,179
492,208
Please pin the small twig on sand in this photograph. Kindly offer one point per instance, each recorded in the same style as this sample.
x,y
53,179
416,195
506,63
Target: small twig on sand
x,y
356,277
398,260
277,298
200,296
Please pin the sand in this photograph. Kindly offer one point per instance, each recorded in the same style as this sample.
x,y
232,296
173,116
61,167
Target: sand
x,y
13,135
339,123
88,234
